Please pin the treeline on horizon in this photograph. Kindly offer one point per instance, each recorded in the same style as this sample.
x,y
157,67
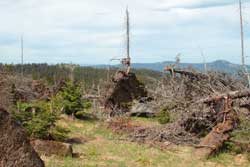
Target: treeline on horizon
x,y
90,76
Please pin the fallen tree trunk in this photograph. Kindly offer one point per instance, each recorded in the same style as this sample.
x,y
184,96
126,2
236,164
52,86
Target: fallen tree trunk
x,y
215,139
219,134
186,73
232,95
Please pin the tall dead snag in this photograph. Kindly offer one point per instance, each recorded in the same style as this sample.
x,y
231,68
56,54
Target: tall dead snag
x,y
242,40
220,133
126,61
124,89
22,70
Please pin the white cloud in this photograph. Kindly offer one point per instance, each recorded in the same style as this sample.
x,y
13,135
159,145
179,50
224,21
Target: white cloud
x,y
94,29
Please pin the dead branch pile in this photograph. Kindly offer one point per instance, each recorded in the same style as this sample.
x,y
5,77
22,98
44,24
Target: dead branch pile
x,y
121,125
7,92
182,94
15,149
174,133
14,88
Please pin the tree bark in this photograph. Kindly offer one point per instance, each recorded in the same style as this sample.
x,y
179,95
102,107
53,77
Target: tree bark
x,y
220,133
186,73
232,95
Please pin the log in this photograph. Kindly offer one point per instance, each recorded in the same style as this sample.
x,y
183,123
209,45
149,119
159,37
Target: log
x,y
220,133
216,138
232,95
186,73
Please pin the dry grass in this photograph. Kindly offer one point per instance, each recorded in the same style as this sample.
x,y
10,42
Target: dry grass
x,y
102,149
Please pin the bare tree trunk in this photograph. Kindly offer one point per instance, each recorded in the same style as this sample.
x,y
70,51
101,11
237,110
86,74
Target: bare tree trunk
x,y
242,40
22,56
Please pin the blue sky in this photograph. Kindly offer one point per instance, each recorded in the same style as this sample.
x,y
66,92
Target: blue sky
x,y
92,31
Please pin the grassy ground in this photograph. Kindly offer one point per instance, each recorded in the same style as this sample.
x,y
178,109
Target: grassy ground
x,y
101,148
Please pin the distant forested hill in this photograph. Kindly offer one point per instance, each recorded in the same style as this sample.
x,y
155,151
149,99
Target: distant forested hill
x,y
90,76
219,65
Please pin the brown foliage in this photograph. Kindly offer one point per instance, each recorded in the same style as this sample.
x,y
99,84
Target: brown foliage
x,y
121,124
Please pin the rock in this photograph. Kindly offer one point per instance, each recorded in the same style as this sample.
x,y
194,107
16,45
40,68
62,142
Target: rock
x,y
48,148
15,149
76,140
143,110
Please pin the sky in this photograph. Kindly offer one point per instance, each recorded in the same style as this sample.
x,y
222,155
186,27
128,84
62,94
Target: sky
x,y
93,31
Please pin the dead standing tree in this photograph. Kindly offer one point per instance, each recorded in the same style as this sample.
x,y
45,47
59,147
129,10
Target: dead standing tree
x,y
126,61
242,40
125,86
244,69
22,54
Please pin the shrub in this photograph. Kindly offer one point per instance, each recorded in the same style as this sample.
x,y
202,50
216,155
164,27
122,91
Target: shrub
x,y
58,133
163,116
87,104
70,98
41,123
